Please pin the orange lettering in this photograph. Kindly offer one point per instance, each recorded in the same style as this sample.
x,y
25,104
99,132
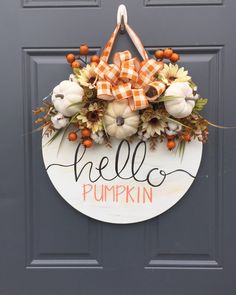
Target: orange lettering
x,y
85,191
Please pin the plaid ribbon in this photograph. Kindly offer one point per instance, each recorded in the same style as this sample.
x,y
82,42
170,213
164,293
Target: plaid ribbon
x,y
127,79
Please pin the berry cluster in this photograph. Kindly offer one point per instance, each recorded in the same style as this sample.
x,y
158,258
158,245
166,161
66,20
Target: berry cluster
x,y
75,60
171,143
167,53
85,135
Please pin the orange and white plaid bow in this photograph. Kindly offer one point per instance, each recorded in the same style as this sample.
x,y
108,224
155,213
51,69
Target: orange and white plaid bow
x,y
126,78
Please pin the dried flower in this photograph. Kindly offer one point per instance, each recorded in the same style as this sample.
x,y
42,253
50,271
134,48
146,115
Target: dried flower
x,y
59,121
173,128
91,116
98,137
152,122
172,73
87,76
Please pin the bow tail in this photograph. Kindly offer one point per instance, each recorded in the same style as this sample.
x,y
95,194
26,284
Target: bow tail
x,y
138,100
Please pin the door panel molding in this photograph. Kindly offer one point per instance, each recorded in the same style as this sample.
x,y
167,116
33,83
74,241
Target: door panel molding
x,y
63,4
52,241
181,2
197,242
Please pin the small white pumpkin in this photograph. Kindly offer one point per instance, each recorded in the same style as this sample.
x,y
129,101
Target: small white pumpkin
x,y
183,105
64,95
120,122
59,121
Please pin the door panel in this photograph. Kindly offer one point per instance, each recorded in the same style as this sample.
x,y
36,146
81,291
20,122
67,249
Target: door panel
x,y
49,248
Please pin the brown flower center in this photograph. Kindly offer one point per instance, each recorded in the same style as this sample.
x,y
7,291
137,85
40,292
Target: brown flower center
x,y
151,92
154,121
92,80
172,78
92,116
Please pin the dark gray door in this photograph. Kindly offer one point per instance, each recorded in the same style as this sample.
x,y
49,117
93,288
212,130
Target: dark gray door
x,y
46,247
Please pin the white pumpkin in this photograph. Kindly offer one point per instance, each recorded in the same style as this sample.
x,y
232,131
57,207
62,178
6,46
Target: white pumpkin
x,y
183,105
120,122
59,121
64,95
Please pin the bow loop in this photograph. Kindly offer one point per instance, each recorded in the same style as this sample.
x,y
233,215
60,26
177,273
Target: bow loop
x,y
101,68
154,90
104,90
148,70
119,57
127,79
122,91
112,73
139,100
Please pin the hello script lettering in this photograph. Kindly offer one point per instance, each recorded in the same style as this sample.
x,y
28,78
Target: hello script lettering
x,y
130,162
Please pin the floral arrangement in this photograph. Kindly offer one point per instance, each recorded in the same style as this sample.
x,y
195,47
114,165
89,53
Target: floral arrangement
x,y
154,100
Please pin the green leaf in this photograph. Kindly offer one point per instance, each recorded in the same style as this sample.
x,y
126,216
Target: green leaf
x,y
104,127
200,103
167,98
192,85
75,104
64,131
54,136
76,71
62,138
181,149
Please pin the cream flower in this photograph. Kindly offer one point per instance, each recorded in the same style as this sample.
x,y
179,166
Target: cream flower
x,y
98,137
59,121
152,123
172,73
91,116
173,128
87,76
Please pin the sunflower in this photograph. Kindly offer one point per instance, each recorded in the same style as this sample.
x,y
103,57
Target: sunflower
x,y
152,123
87,76
91,116
172,73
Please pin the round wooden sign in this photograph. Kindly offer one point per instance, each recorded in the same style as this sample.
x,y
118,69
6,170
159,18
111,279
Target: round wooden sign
x,y
127,183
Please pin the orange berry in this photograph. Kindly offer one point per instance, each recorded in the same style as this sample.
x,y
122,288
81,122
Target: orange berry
x,y
75,64
170,137
85,132
72,136
168,52
88,142
171,144
187,137
159,54
70,57
161,63
84,50
95,58
174,57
